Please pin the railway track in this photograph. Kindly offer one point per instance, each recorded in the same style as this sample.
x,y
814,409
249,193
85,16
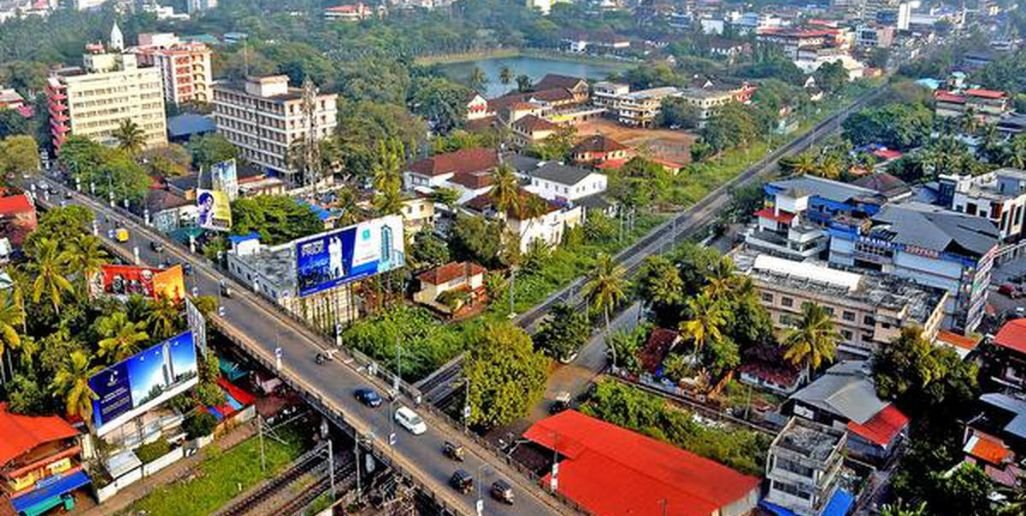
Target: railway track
x,y
305,464
345,475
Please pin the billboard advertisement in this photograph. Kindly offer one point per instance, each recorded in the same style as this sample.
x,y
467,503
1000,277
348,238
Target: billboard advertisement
x,y
215,210
339,256
143,381
224,177
197,325
126,280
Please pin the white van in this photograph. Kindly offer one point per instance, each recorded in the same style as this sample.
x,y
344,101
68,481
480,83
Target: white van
x,y
409,420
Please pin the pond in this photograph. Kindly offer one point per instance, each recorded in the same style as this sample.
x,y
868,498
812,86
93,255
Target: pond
x,y
533,67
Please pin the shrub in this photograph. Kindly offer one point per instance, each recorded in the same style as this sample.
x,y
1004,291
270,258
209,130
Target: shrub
x,y
199,424
148,453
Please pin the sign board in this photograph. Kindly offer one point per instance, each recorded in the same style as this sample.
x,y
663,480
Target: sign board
x,y
197,325
143,381
332,258
224,177
127,280
215,210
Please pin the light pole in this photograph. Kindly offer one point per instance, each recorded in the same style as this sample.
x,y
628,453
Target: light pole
x,y
466,406
480,480
391,427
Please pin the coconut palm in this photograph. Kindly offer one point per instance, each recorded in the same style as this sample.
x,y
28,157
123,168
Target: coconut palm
x,y
830,167
804,163
477,79
85,256
505,191
71,383
163,317
813,340
606,289
708,317
1014,154
11,316
506,75
121,336
48,266
722,279
130,137
387,176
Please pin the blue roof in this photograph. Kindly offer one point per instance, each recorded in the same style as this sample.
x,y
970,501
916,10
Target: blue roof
x,y
189,124
58,487
839,504
237,239
322,213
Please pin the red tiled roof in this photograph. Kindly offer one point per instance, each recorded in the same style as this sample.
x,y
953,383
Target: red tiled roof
x,y
553,81
882,427
947,96
782,375
769,213
887,154
485,201
553,95
956,340
23,433
1012,335
612,470
987,448
15,204
611,164
450,271
598,143
473,180
659,343
987,94
464,160
532,123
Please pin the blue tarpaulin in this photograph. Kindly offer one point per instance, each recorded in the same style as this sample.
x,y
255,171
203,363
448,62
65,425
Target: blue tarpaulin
x,y
839,505
58,487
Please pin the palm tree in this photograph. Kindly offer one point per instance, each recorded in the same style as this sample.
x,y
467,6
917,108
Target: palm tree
x,y
164,315
477,79
130,137
830,167
708,318
814,339
387,178
48,265
804,163
121,337
505,191
1014,154
71,383
85,256
606,289
523,83
722,279
11,316
506,75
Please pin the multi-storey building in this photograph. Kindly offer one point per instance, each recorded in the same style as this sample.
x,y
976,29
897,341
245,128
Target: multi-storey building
x,y
874,36
999,196
637,108
804,465
988,106
266,119
109,88
930,245
196,6
794,39
185,67
868,310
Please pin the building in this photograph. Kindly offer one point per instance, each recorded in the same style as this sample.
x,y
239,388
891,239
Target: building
x,y
17,218
638,108
605,42
466,170
168,211
197,6
600,151
110,87
456,288
868,311
998,196
577,86
11,99
418,213
531,129
1009,367
545,229
926,244
184,67
844,398
348,12
184,127
887,185
794,39
988,106
874,36
803,468
40,462
611,470
706,101
266,119
995,439
564,183
477,107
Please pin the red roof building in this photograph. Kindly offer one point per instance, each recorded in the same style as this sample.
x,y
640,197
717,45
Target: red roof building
x,y
461,161
456,288
17,218
659,344
598,150
1011,341
611,470
882,428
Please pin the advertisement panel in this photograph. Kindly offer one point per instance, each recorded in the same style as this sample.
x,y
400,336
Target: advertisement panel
x,y
197,324
339,256
224,177
143,381
215,210
126,280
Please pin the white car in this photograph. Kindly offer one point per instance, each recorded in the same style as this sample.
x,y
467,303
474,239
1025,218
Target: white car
x,y
409,420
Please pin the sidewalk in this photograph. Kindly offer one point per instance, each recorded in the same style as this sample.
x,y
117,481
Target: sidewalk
x,y
177,471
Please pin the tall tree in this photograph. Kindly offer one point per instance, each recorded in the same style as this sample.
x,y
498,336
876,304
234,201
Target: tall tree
x,y
130,137
661,288
506,75
47,266
523,83
11,317
71,384
164,317
121,337
606,289
506,375
814,339
85,255
19,154
563,333
705,321
388,177
477,79
505,190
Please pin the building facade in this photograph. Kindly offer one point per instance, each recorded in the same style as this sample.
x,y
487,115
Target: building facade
x,y
266,118
185,67
804,465
999,196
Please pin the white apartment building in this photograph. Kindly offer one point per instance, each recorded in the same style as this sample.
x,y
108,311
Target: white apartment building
x,y
110,88
999,196
265,118
185,67
638,108
562,183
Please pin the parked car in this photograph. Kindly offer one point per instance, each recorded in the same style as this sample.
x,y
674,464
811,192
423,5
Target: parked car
x,y
367,397
462,481
502,491
409,420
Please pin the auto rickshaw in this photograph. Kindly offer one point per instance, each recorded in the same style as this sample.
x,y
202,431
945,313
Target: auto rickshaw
x,y
453,451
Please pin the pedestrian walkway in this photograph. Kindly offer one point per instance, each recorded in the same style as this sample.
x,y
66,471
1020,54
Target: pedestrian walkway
x,y
177,471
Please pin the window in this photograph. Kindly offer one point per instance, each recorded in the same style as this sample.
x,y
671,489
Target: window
x,y
767,297
848,316
794,467
868,320
786,301
846,335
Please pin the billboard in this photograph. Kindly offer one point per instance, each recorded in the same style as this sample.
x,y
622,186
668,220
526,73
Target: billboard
x,y
224,177
143,381
197,325
126,280
339,256
215,210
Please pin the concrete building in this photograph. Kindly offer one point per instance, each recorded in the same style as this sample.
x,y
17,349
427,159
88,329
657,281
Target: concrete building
x,y
110,87
637,108
546,229
455,288
565,184
185,67
988,106
266,118
868,311
803,467
197,6
874,36
926,244
999,196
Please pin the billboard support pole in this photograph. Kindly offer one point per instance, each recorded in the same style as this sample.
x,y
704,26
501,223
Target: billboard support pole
x,y
260,433
331,468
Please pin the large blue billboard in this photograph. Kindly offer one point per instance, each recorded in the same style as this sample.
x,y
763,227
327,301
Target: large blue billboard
x,y
354,252
143,381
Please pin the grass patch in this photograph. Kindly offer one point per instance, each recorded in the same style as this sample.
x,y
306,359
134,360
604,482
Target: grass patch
x,y
219,476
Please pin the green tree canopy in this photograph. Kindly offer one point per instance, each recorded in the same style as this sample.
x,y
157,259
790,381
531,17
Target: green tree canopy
x,y
564,332
277,218
507,376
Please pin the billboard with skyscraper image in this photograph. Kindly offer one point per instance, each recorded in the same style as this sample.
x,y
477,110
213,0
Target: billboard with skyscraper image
x,y
143,381
355,252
